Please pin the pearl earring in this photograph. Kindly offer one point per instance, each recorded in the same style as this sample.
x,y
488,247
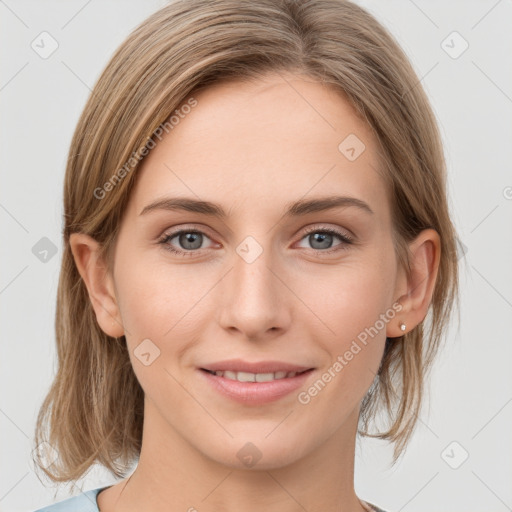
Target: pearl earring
x,y
402,326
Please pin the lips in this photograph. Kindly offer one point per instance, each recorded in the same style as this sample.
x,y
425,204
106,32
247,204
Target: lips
x,y
255,384
262,367
254,377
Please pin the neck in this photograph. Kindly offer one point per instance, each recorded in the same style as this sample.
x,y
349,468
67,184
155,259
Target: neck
x,y
172,475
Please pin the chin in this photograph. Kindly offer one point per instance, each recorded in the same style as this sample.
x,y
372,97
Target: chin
x,y
257,454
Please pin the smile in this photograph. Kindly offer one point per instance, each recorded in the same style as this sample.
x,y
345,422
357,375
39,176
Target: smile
x,y
254,377
255,389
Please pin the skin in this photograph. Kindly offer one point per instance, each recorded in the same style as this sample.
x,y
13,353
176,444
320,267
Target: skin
x,y
253,148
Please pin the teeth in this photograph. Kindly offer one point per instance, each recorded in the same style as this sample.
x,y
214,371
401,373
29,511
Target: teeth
x,y
254,377
245,377
265,377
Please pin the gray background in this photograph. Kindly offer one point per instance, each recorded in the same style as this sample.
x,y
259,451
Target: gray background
x,y
471,386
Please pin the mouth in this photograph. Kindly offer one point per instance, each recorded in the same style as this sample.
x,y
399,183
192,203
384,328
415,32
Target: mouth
x,y
255,384
256,377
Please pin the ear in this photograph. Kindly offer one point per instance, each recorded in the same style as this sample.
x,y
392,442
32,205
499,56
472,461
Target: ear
x,y
99,283
415,289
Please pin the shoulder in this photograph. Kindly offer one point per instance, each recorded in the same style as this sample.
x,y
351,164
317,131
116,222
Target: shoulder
x,y
85,502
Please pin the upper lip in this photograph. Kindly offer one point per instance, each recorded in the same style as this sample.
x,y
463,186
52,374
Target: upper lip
x,y
238,365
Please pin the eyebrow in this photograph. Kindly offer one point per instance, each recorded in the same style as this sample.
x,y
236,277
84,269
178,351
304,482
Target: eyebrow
x,y
294,209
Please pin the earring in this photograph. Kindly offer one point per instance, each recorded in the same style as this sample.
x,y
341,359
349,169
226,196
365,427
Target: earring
x,y
402,326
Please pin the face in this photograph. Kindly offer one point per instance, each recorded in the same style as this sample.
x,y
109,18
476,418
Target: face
x,y
311,288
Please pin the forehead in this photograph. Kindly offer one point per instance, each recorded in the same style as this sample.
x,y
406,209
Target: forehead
x,y
281,138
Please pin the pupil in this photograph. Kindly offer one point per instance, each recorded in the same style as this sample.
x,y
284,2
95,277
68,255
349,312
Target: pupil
x,y
190,238
321,237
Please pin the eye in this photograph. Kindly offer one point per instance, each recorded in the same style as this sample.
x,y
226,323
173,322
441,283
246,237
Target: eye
x,y
190,239
321,239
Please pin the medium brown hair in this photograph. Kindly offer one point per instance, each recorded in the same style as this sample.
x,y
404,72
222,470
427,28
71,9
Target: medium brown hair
x,y
93,412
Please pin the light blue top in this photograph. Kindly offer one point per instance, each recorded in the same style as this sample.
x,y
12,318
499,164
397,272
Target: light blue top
x,y
85,502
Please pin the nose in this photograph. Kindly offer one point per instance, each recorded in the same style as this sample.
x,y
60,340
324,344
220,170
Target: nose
x,y
255,300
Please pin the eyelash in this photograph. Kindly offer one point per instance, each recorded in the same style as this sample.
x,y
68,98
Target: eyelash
x,y
345,239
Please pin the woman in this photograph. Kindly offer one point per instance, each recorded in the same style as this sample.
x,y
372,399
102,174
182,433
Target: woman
x,y
256,228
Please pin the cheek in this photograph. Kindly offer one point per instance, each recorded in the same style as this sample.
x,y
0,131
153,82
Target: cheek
x,y
356,338
350,298
354,307
155,296
356,310
161,303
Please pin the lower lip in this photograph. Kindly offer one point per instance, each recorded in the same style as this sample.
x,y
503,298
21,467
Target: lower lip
x,y
256,393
